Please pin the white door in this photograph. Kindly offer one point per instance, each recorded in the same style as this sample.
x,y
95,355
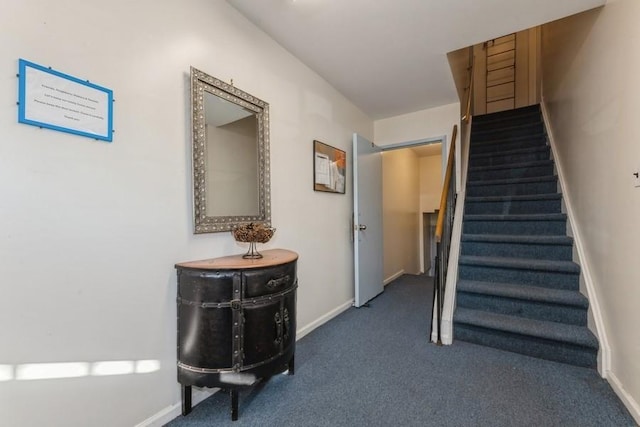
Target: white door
x,y
367,219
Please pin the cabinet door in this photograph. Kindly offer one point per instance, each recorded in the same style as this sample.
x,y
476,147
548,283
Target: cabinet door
x,y
204,333
204,336
263,326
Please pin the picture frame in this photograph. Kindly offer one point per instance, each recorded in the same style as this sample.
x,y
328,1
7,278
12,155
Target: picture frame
x,y
54,100
329,168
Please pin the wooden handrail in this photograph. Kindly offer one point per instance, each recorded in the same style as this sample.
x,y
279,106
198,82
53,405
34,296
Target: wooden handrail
x,y
467,114
445,187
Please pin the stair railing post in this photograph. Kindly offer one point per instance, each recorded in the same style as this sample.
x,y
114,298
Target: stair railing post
x,y
438,285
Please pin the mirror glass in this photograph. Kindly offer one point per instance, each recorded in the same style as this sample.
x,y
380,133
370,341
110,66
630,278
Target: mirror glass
x,y
230,155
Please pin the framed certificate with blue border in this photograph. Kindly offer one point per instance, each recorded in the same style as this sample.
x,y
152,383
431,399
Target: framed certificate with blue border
x,y
54,100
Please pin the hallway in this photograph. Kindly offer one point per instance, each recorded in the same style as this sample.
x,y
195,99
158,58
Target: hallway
x,y
373,366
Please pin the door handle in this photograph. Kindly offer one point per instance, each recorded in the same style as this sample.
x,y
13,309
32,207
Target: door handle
x,y
278,322
362,227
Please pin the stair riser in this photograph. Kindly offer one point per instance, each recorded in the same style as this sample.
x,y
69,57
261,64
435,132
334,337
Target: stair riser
x,y
518,250
502,115
518,120
545,228
505,115
524,308
499,160
497,134
534,124
523,172
530,346
520,189
497,148
545,279
513,207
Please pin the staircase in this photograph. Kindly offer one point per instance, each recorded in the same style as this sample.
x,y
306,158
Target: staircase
x,y
518,289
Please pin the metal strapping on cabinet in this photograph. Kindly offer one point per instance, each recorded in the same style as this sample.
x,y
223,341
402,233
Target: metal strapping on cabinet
x,y
238,319
227,370
244,303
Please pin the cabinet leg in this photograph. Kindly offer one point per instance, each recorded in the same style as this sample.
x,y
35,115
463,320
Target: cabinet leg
x,y
234,404
186,400
292,365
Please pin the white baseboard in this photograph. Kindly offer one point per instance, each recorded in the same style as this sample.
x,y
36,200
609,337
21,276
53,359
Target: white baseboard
x,y
323,319
604,361
171,412
627,399
393,277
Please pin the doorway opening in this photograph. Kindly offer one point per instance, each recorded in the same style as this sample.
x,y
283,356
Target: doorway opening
x,y
412,174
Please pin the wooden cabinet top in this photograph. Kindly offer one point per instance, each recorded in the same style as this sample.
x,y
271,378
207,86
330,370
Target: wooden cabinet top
x,y
270,258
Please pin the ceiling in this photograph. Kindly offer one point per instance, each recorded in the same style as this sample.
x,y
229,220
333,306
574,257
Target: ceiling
x,y
427,150
389,56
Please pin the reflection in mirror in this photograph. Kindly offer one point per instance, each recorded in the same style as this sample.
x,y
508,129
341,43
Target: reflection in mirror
x,y
230,155
232,158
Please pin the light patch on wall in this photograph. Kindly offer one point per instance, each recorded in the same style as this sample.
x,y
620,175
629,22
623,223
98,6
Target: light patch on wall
x,y
118,367
44,371
147,366
6,372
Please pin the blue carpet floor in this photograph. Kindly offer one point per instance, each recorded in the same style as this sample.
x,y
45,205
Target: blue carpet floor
x,y
374,367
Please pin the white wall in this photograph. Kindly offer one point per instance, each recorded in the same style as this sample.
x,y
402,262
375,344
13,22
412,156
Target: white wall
x,y
420,125
400,212
591,65
430,123
430,183
90,231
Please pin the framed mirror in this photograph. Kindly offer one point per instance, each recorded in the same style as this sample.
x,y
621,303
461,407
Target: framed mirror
x,y
230,132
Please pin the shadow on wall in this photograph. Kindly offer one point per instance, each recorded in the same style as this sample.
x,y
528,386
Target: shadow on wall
x,y
556,30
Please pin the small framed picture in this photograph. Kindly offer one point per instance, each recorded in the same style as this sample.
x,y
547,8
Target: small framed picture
x,y
329,168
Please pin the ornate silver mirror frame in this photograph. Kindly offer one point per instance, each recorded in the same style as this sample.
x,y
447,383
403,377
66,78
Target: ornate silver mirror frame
x,y
206,222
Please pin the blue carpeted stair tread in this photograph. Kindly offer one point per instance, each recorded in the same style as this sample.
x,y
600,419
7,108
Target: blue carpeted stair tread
x,y
516,217
508,153
497,146
511,166
511,121
538,137
545,178
524,292
572,334
521,263
512,171
531,203
509,114
507,127
514,238
514,198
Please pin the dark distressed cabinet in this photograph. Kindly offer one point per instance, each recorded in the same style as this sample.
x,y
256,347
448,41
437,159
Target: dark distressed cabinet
x,y
236,322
